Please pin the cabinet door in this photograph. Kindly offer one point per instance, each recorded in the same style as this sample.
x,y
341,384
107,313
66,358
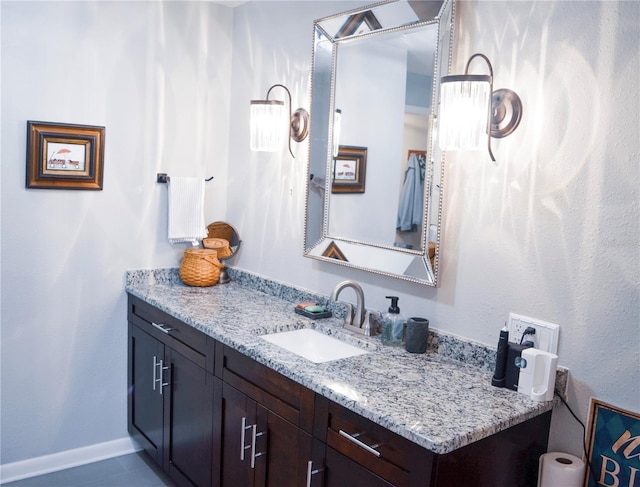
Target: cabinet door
x,y
283,451
258,447
341,471
145,411
188,421
238,416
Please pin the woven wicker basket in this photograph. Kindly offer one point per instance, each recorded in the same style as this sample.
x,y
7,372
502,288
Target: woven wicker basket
x,y
220,245
200,267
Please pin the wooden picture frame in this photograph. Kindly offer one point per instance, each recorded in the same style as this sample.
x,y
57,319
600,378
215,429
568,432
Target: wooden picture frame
x,y
64,156
348,174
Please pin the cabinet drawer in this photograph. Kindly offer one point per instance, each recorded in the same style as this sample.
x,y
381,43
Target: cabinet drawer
x,y
187,340
291,400
342,471
383,452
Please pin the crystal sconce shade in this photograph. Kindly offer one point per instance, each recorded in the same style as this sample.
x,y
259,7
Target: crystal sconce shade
x,y
267,125
471,112
337,128
463,120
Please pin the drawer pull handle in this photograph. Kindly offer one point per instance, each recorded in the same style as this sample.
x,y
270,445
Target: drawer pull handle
x,y
162,327
353,439
160,379
243,431
159,363
311,472
155,374
254,435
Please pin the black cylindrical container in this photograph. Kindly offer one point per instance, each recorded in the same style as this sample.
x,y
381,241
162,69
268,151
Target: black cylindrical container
x,y
499,375
417,335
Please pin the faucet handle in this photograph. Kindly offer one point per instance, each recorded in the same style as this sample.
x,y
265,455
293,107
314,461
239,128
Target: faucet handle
x,y
371,324
348,317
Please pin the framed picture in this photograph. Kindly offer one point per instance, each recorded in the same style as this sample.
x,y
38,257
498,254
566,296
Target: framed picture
x,y
64,156
333,252
349,169
614,440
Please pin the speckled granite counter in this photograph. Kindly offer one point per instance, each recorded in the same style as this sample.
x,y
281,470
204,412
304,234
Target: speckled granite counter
x,y
431,399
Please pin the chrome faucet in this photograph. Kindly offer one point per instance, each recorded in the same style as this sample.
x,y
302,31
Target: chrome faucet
x,y
358,321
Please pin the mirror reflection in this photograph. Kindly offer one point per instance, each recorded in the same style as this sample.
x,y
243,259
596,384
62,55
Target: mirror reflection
x,y
384,82
374,192
225,240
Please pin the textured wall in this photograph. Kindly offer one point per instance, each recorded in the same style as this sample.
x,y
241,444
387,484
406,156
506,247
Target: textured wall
x,y
157,77
551,230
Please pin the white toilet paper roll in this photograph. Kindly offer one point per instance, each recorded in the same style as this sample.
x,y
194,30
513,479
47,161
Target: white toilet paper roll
x,y
559,469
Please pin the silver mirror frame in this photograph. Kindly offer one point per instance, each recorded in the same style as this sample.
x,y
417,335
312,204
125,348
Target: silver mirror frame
x,y
317,244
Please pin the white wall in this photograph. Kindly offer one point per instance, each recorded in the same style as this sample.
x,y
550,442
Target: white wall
x,y
366,89
551,230
157,76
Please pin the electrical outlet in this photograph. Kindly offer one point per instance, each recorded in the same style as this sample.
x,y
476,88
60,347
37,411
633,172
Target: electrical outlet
x,y
545,337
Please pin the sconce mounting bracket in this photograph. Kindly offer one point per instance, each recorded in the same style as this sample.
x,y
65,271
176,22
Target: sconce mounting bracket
x,y
299,125
506,112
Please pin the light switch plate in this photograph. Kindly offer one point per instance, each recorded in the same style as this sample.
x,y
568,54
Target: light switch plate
x,y
545,337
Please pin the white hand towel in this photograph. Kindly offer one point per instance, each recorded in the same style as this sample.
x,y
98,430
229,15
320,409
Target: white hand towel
x,y
186,210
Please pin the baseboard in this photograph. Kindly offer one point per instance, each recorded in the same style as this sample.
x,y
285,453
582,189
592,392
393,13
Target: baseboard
x,y
66,459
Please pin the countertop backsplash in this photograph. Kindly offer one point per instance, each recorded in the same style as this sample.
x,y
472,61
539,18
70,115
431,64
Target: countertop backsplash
x,y
446,345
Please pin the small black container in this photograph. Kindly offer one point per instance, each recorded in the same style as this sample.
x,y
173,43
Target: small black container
x,y
417,335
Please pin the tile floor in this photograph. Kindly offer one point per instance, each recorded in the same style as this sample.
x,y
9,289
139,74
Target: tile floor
x,y
134,470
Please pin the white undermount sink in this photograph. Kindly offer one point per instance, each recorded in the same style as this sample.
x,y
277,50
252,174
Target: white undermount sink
x,y
313,345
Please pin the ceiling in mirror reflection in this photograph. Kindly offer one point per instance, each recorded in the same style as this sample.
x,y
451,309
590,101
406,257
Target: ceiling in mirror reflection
x,y
379,18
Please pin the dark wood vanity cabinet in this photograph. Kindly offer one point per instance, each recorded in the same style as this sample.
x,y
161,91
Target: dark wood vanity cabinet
x,y
265,424
212,416
361,452
170,394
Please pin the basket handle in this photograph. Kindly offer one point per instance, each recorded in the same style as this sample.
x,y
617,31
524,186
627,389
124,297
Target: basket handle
x,y
213,260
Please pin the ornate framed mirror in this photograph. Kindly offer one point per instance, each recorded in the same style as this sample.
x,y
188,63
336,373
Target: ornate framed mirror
x,y
375,86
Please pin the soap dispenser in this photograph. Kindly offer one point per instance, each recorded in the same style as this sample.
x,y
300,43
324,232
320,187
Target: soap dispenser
x,y
392,324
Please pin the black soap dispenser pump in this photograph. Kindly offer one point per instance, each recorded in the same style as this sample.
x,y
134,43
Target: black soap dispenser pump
x,y
392,324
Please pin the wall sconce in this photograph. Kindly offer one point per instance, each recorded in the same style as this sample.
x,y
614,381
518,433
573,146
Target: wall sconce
x,y
337,128
470,110
266,119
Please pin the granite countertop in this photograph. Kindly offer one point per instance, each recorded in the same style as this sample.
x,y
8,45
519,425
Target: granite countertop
x,y
432,399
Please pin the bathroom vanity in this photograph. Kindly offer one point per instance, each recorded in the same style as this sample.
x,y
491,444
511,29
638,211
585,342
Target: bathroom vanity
x,y
216,404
